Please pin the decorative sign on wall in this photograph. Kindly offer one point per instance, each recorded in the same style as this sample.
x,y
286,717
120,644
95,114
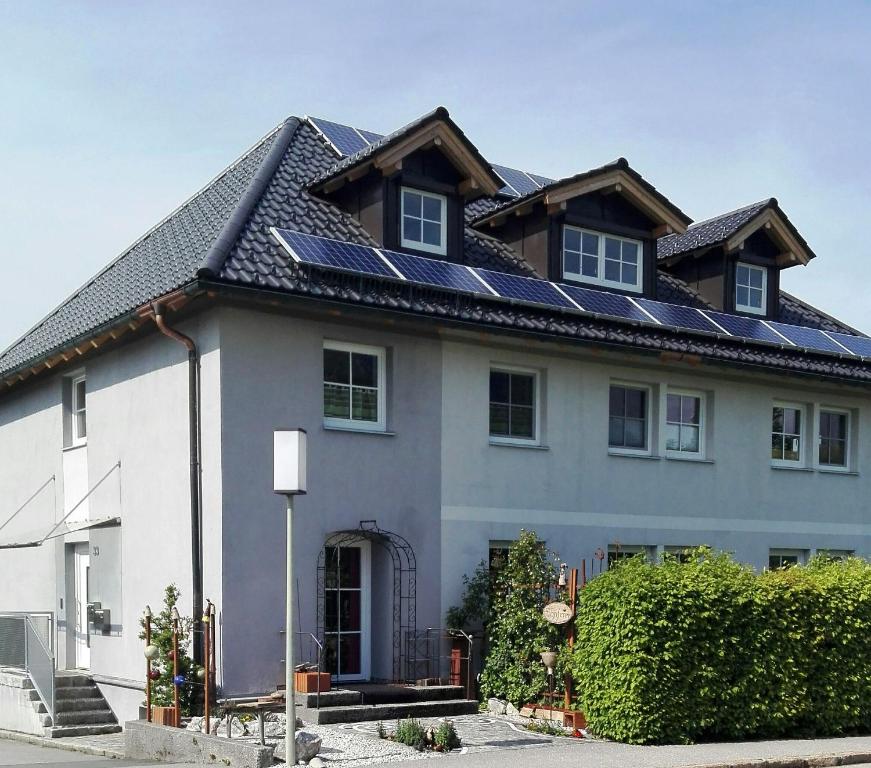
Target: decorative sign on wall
x,y
558,613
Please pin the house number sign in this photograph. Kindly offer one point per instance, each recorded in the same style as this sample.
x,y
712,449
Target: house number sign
x,y
558,613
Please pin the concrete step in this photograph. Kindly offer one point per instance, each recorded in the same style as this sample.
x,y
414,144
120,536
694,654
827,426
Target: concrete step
x,y
66,679
82,704
338,697
86,717
385,712
61,731
77,692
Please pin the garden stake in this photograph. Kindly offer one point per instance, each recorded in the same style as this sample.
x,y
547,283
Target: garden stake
x,y
175,686
208,648
573,593
213,664
148,664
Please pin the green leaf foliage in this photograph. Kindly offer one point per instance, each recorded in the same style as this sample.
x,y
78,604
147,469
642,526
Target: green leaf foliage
x,y
517,631
678,652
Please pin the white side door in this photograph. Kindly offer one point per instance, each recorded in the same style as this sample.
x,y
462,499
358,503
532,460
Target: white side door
x,y
83,640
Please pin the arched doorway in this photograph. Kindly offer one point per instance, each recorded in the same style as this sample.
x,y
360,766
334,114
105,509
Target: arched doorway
x,y
344,591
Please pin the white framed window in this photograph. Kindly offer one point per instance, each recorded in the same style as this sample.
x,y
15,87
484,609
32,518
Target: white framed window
x,y
514,405
629,418
835,554
354,386
680,553
78,411
424,221
684,424
787,435
833,448
751,288
594,257
618,552
785,558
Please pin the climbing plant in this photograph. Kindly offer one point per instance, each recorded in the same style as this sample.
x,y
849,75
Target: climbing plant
x,y
517,631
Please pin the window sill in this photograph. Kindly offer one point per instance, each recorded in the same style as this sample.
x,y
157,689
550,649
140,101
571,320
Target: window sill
x,y
631,455
358,430
75,447
509,444
690,459
791,469
835,471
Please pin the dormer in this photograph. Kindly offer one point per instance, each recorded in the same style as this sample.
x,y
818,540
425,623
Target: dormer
x,y
598,228
734,260
409,189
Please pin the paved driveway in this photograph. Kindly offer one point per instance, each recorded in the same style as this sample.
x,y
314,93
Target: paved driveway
x,y
20,753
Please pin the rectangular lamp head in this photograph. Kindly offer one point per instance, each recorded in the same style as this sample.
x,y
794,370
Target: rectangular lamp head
x,y
289,461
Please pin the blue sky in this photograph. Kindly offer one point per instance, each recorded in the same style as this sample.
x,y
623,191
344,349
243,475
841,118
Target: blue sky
x,y
114,113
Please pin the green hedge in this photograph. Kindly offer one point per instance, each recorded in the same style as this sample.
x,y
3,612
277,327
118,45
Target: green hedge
x,y
680,652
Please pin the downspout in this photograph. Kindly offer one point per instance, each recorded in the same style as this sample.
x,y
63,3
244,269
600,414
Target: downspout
x,y
196,506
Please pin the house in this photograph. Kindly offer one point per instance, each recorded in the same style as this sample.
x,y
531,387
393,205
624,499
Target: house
x,y
473,350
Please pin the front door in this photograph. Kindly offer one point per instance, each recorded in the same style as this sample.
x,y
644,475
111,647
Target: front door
x,y
347,646
82,566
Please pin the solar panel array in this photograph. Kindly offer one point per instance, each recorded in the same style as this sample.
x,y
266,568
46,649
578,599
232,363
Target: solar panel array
x,y
403,267
348,140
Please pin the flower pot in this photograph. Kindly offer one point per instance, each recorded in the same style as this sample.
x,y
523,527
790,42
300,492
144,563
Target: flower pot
x,y
307,682
164,716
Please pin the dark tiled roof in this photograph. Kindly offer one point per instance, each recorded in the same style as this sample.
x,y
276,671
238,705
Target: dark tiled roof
x,y
794,311
165,258
711,231
223,232
620,164
719,229
438,114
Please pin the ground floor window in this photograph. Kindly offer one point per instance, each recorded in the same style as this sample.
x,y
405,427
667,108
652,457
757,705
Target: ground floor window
x,y
785,558
617,552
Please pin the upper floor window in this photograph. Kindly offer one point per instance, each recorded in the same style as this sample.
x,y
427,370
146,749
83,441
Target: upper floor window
x,y
751,285
833,446
79,421
683,424
424,221
787,427
627,418
593,257
513,406
354,389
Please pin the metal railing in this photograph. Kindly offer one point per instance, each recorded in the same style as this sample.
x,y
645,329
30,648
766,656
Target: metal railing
x,y
444,654
27,643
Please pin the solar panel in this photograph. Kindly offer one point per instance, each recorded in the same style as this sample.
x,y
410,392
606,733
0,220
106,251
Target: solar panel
x,y
433,272
369,136
807,337
518,180
525,289
343,137
603,303
678,315
746,327
323,252
858,345
542,180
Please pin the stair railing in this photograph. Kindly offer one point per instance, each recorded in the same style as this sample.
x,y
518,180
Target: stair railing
x,y
27,643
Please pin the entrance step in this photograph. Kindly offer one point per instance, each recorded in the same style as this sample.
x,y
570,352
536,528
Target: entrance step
x,y
388,711
80,709
62,731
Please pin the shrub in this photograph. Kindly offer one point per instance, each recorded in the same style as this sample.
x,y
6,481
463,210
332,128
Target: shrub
x,y
446,736
475,604
677,652
517,632
411,733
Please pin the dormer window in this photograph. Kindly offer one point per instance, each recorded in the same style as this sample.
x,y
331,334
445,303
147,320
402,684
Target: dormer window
x,y
751,286
600,259
424,221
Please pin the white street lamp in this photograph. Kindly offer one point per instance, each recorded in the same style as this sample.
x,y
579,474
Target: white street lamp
x,y
289,480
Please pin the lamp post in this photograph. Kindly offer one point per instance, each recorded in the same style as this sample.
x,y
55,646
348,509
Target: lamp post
x,y
289,480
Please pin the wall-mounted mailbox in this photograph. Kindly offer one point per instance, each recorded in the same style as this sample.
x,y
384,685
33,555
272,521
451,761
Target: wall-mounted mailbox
x,y
99,618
